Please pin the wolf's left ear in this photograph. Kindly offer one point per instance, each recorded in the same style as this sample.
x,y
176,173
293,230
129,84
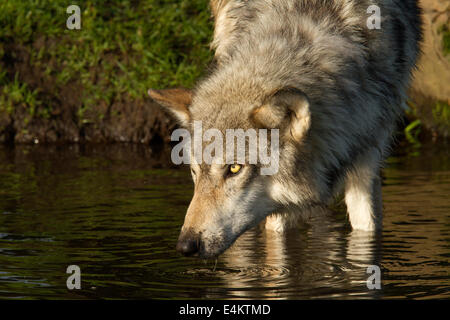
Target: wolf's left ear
x,y
288,110
176,101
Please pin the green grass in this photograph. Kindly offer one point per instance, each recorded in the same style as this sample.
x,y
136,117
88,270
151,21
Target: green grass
x,y
13,93
123,48
441,114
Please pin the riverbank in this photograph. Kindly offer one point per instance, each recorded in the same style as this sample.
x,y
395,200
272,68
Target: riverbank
x,y
60,85
89,85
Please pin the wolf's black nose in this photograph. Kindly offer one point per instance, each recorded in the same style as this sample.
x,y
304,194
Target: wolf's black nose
x,y
187,246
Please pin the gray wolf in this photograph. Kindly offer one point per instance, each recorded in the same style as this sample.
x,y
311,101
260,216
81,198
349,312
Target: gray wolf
x,y
333,87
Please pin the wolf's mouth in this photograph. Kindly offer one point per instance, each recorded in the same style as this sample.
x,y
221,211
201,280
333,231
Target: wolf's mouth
x,y
191,244
201,250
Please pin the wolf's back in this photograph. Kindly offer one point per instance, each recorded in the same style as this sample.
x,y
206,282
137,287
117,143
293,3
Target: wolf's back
x,y
320,45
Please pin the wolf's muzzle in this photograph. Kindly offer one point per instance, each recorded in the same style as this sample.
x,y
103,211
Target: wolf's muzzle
x,y
188,245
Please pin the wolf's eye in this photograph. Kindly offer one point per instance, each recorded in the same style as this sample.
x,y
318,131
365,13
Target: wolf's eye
x,y
235,168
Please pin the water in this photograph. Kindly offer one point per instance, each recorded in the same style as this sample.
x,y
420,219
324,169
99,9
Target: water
x,y
115,211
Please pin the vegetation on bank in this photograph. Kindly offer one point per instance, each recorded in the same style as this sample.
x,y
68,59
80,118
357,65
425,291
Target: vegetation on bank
x,y
123,48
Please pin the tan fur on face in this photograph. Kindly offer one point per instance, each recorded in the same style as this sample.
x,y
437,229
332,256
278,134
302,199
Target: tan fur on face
x,y
197,213
214,216
208,194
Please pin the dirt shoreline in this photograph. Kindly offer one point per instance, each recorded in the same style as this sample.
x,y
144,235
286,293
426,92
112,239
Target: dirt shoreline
x,y
141,122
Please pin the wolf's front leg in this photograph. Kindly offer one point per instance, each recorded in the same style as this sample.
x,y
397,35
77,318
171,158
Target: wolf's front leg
x,y
363,194
277,222
280,222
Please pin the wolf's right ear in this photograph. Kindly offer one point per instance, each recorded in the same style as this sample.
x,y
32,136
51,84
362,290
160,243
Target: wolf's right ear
x,y
176,101
288,110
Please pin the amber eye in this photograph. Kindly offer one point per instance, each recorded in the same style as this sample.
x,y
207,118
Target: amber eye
x,y
235,168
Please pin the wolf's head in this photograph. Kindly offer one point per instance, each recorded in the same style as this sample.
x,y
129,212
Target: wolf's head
x,y
231,198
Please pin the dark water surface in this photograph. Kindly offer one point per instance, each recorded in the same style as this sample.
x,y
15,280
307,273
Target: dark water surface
x,y
116,213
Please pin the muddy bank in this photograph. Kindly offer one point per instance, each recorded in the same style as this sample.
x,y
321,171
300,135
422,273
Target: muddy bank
x,y
137,122
57,118
123,121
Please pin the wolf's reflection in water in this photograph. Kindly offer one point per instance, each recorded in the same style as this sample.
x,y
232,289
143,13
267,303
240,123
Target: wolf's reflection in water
x,y
319,255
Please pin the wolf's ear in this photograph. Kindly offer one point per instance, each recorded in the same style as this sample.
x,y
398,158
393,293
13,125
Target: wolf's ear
x,y
288,110
176,101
